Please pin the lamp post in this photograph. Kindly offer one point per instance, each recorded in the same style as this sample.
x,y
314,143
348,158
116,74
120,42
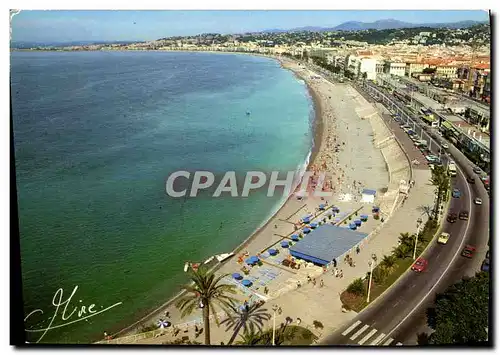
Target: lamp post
x,y
370,263
419,222
275,308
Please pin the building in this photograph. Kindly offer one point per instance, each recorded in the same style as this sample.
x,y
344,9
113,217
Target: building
x,y
369,66
395,68
446,71
414,67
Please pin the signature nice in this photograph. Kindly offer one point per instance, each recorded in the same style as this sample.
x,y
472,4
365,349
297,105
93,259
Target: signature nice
x,y
77,314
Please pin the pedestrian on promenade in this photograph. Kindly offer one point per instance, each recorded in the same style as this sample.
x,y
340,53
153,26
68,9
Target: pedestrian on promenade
x,y
334,263
321,283
314,282
341,273
357,249
280,310
299,321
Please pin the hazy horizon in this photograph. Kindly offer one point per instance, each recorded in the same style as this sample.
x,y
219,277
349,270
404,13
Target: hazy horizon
x,y
38,26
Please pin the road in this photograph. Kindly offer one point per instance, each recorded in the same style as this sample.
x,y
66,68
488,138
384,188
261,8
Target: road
x,y
398,315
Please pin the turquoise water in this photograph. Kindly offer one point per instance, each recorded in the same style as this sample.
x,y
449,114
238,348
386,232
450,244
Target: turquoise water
x,y
97,134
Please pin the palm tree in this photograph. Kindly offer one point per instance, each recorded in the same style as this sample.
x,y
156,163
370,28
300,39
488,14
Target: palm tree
x,y
249,318
406,239
204,292
441,180
250,338
402,251
388,262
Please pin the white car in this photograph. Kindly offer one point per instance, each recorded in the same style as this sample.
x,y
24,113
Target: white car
x,y
478,201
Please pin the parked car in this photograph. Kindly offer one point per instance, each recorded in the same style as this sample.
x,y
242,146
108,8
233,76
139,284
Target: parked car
x,y
477,170
486,265
468,251
471,180
420,265
452,217
478,201
456,193
443,238
464,215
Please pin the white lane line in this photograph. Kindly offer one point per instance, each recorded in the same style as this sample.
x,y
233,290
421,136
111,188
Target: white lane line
x,y
459,250
351,328
358,333
388,342
367,336
379,338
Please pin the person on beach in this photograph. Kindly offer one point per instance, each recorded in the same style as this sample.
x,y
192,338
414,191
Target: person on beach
x,y
357,249
321,283
280,310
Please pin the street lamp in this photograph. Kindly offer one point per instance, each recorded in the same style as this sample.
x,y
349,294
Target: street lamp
x,y
370,263
419,222
275,308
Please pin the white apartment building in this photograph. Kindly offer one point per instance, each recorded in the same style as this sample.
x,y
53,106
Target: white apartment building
x,y
413,67
395,68
446,71
369,66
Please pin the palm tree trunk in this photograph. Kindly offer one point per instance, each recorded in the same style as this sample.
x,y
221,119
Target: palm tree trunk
x,y
206,321
236,331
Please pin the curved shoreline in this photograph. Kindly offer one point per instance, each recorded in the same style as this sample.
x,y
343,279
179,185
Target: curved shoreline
x,y
317,132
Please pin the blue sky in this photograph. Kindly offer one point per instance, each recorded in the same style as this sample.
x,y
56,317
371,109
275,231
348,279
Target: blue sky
x,y
63,26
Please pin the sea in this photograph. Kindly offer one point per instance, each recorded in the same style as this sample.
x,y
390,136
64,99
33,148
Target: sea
x,y
96,135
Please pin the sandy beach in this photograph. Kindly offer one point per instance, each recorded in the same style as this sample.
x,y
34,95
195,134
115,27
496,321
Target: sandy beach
x,y
345,150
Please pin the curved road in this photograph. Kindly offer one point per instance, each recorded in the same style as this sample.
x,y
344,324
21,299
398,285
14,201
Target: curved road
x,y
400,312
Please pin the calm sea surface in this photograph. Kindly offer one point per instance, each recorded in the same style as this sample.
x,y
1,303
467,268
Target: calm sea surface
x,y
96,135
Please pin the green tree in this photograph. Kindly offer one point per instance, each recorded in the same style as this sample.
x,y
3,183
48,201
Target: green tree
x,y
402,251
250,318
249,338
205,292
356,287
388,262
460,314
441,180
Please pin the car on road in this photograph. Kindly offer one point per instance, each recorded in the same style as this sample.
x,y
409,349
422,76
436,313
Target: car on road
x,y
464,215
486,265
477,170
443,238
471,180
452,217
456,193
478,201
420,265
444,145
468,251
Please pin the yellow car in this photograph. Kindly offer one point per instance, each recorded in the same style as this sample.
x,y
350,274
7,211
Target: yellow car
x,y
443,238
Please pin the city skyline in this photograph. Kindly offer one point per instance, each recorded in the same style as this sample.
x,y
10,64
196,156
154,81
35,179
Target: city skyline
x,y
64,26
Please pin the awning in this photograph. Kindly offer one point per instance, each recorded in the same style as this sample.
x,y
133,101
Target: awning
x,y
252,260
306,219
295,237
314,225
285,244
246,283
306,230
237,276
272,251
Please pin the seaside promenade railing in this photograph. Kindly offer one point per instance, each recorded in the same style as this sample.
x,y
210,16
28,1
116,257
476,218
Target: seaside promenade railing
x,y
131,339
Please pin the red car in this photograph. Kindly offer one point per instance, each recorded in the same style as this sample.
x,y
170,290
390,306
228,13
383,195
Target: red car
x,y
468,251
420,265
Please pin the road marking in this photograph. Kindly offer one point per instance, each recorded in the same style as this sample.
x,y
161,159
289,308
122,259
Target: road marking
x,y
358,333
351,328
379,338
447,267
362,341
388,342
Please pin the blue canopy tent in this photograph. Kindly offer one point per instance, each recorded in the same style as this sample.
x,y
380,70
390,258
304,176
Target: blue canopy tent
x,y
352,226
237,276
306,230
335,209
313,225
306,219
295,237
364,217
322,207
246,283
285,244
272,251
357,222
252,260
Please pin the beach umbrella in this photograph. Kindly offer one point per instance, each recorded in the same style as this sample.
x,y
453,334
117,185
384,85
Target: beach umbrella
x,y
364,217
306,230
285,244
250,261
254,259
237,276
357,222
352,226
375,209
329,213
306,219
246,283
314,225
164,324
335,209
272,251
295,237
322,206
